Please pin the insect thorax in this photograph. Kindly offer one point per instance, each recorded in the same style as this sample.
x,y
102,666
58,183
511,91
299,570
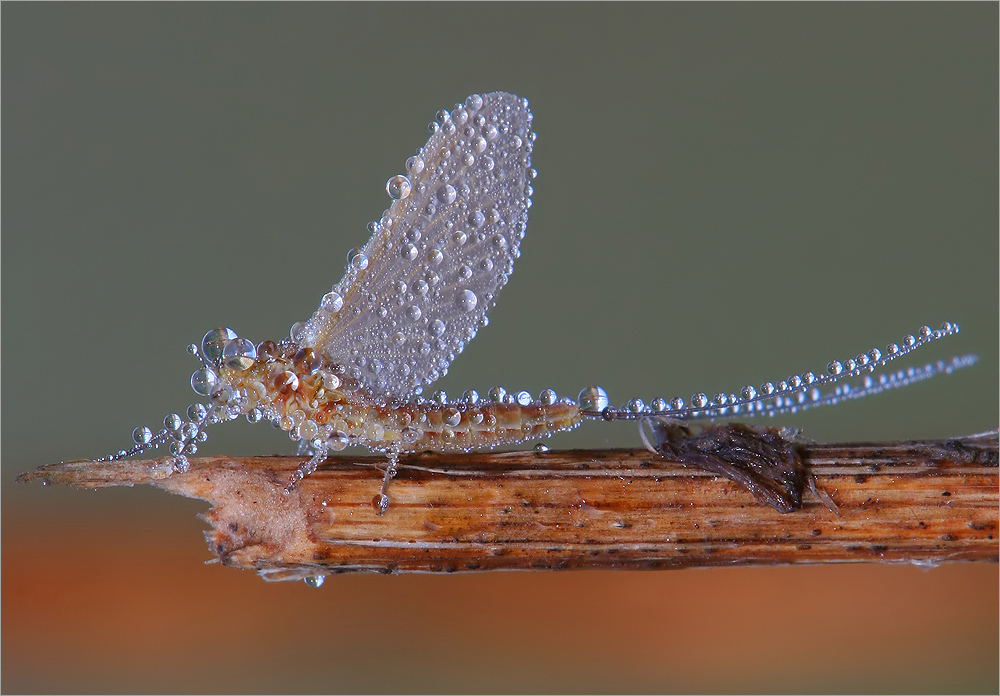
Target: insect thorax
x,y
317,402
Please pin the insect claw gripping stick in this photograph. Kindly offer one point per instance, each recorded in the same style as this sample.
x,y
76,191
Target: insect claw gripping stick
x,y
415,295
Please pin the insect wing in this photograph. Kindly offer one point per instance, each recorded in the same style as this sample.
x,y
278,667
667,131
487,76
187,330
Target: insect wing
x,y
420,288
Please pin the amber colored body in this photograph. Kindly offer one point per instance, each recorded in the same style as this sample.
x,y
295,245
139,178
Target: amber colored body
x,y
293,386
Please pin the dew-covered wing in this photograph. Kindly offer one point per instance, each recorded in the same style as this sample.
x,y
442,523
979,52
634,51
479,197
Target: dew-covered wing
x,y
420,288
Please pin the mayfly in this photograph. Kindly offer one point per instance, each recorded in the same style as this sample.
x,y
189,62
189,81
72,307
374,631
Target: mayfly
x,y
410,301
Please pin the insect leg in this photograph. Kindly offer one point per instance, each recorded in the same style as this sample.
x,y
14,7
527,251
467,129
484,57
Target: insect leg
x,y
381,501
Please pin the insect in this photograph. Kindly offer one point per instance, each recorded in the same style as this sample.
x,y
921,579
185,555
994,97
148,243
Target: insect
x,y
414,296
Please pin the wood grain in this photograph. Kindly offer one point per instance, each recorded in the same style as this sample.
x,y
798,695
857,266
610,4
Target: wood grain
x,y
924,502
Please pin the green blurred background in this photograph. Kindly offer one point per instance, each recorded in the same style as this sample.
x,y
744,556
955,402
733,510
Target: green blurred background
x,y
728,193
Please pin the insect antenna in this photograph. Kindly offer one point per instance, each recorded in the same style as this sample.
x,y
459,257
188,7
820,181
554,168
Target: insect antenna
x,y
182,436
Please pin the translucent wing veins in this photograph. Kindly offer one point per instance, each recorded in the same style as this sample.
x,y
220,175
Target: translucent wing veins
x,y
420,288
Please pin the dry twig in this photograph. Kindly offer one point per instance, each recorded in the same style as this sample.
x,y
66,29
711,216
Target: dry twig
x,y
913,502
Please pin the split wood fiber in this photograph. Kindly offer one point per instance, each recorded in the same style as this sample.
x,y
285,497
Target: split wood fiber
x,y
924,502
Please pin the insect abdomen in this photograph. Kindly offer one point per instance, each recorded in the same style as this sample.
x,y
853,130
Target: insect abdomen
x,y
465,427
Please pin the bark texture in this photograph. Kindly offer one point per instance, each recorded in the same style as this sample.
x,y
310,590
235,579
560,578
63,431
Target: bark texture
x,y
912,502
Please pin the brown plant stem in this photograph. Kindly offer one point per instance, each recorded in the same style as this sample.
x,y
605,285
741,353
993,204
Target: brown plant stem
x,y
923,502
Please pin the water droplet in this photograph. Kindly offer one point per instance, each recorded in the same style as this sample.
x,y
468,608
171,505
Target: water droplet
x,y
314,580
748,393
333,302
398,187
436,327
593,400
548,397
496,394
446,194
357,259
142,435
204,381
474,102
699,400
410,435
239,354
466,300
213,341
540,447
412,313
835,367
337,441
451,417
523,398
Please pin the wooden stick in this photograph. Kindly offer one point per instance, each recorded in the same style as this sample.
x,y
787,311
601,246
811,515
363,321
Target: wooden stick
x,y
922,502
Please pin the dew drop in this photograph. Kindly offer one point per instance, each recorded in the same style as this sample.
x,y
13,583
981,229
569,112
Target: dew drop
x,y
548,397
142,435
333,302
466,300
213,341
398,187
357,259
451,417
239,354
337,441
204,380
593,400
436,327
446,194
410,435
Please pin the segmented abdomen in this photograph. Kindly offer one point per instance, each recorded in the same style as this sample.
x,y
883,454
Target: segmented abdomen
x,y
466,426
